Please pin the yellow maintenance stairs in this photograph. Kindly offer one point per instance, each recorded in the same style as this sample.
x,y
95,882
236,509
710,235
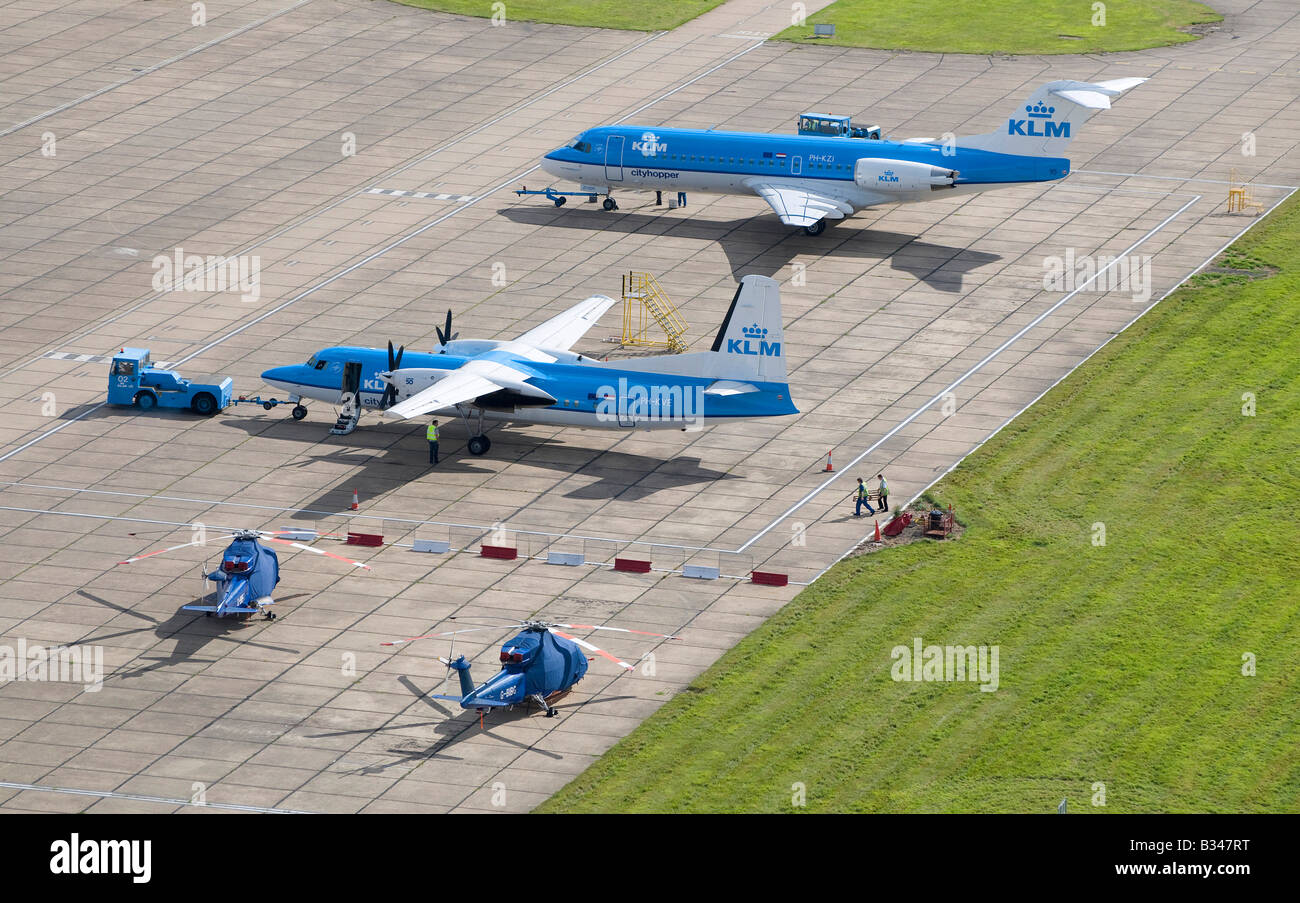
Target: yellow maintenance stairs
x,y
644,304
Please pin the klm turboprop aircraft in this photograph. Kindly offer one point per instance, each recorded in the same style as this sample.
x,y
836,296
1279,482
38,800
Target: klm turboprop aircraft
x,y
830,169
537,379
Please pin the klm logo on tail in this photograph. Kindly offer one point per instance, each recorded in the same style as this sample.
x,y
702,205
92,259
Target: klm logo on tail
x,y
1029,127
754,336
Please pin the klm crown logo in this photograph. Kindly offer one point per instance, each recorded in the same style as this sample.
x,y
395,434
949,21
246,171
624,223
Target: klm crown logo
x,y
1039,123
650,145
754,342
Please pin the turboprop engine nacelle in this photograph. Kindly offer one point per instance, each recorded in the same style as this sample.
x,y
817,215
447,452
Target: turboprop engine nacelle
x,y
410,380
468,347
901,176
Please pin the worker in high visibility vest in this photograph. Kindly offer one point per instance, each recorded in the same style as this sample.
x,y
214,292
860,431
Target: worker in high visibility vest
x,y
863,499
432,435
884,492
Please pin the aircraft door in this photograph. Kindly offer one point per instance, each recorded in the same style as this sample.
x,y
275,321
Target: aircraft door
x,y
614,158
796,165
351,378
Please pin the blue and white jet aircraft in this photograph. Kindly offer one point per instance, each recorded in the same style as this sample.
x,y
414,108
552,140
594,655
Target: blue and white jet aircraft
x,y
830,169
537,379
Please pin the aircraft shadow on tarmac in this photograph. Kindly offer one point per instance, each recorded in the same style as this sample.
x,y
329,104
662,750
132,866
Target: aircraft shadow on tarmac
x,y
191,631
454,727
764,245
382,470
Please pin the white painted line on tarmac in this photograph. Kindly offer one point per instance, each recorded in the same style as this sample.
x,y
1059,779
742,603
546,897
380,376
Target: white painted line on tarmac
x,y
965,376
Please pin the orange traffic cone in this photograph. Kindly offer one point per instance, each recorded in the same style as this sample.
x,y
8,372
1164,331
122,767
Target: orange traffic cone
x,y
829,468
877,536
356,502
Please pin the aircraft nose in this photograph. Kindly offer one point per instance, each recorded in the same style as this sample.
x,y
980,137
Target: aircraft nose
x,y
561,169
279,376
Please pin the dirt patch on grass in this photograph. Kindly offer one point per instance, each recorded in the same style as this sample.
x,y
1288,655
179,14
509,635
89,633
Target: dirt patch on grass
x,y
913,533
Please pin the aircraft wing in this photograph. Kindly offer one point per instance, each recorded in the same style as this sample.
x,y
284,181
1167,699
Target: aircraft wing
x,y
562,331
798,206
471,380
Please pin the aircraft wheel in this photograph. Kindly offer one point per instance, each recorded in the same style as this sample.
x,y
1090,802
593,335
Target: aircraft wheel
x,y
146,401
269,615
478,445
610,204
298,412
559,202
816,228
207,614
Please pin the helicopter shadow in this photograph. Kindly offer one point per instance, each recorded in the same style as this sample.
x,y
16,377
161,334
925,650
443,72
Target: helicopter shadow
x,y
388,469
181,627
762,244
455,727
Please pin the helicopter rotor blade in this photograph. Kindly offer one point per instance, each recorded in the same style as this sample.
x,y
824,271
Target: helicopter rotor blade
x,y
596,649
665,636
298,545
429,636
184,545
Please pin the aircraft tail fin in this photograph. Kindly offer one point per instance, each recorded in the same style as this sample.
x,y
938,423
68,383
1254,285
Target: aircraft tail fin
x,y
1045,124
750,345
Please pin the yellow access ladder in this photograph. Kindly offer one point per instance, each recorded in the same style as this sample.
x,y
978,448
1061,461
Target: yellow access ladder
x,y
644,302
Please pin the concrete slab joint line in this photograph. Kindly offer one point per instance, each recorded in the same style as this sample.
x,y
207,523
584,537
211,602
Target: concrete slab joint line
x,y
151,69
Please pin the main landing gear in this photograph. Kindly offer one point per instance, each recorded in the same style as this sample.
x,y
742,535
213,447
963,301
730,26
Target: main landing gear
x,y
610,203
299,411
816,228
478,443
550,710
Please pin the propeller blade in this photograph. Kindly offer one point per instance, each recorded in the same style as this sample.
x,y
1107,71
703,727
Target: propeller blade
x,y
445,335
298,545
596,649
666,636
429,636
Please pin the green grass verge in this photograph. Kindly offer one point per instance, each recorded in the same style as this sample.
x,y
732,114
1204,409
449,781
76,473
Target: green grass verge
x,y
1119,663
1005,26
631,15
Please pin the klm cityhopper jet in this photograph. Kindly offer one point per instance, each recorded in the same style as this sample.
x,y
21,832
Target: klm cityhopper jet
x,y
537,379
830,169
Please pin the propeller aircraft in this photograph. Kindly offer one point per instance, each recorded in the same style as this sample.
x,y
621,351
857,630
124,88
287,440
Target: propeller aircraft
x,y
536,378
542,664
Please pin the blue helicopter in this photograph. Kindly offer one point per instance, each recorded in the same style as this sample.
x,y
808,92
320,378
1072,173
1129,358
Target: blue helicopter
x,y
248,573
539,665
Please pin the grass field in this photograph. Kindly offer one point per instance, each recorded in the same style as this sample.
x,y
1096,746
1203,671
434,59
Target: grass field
x,y
632,15
1119,663
1005,26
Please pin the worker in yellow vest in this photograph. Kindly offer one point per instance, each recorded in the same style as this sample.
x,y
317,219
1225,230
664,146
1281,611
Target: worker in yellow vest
x,y
884,492
863,499
432,435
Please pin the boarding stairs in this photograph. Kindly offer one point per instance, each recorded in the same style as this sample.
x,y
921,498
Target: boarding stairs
x,y
349,416
644,302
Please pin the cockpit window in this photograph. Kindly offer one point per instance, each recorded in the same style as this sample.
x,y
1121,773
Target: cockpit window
x,y
582,147
311,362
